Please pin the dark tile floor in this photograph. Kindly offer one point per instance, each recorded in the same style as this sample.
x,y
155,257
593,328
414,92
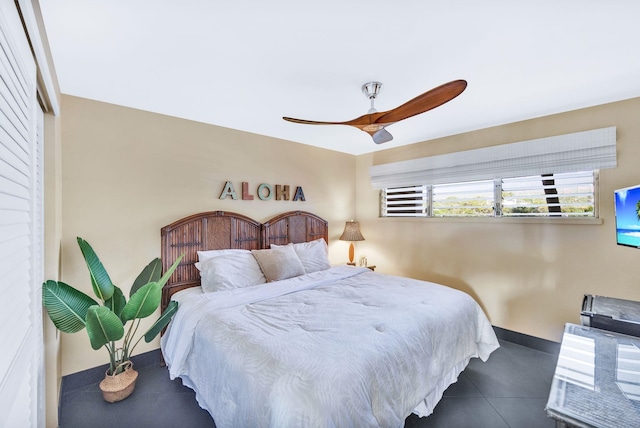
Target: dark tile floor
x,y
509,390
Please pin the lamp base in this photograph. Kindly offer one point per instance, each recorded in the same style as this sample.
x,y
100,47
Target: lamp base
x,y
351,264
351,254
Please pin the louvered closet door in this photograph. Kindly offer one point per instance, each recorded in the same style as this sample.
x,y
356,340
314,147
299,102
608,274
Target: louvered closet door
x,y
20,228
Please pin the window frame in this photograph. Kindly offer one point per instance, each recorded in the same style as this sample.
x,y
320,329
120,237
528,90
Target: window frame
x,y
498,217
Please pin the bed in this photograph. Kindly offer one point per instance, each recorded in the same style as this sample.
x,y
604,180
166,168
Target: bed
x,y
325,346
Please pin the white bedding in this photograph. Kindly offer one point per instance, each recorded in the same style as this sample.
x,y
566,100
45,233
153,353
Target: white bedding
x,y
344,347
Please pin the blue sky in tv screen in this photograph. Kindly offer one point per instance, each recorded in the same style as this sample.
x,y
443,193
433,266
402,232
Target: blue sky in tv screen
x,y
627,223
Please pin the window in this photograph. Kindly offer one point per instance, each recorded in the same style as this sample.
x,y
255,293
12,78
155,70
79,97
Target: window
x,y
546,177
561,195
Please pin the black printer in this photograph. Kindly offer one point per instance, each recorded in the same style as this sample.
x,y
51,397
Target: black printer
x,y
608,313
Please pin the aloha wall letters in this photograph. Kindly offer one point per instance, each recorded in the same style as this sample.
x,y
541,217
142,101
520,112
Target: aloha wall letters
x,y
265,192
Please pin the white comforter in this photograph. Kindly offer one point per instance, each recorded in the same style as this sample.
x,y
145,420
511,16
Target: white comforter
x,y
344,347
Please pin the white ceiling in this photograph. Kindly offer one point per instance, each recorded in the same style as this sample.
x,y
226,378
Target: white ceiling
x,y
244,64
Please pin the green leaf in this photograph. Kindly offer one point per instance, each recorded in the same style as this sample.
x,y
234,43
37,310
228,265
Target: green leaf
x,y
143,302
151,273
168,273
102,285
162,322
103,326
67,307
147,298
116,302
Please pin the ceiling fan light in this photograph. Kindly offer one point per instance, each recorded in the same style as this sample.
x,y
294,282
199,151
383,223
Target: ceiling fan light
x,y
372,128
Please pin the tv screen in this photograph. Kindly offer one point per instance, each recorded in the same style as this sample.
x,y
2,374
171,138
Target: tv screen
x,y
628,216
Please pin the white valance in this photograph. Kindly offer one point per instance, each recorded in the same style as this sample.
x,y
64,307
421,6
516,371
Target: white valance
x,y
580,151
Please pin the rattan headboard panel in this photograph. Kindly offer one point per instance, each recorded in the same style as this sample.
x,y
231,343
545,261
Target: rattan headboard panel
x,y
213,230
294,227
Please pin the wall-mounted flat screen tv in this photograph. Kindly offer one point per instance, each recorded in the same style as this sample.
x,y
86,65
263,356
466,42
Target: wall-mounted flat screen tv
x,y
627,208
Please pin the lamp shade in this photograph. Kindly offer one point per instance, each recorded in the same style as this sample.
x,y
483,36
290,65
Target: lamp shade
x,y
351,232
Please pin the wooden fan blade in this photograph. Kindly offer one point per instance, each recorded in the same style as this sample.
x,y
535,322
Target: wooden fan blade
x,y
313,122
366,123
425,102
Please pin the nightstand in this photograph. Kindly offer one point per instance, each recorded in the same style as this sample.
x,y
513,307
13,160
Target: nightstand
x,y
372,267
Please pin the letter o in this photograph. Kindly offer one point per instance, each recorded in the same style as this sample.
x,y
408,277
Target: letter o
x,y
269,194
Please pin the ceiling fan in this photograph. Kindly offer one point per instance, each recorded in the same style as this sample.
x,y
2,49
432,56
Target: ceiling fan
x,y
375,122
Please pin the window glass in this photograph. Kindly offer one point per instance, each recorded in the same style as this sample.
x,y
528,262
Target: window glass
x,y
545,195
472,199
552,195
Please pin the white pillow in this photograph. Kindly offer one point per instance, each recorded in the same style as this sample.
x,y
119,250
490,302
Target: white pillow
x,y
313,255
228,271
209,254
279,263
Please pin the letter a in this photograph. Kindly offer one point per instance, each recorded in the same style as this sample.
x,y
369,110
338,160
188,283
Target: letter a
x,y
299,194
228,191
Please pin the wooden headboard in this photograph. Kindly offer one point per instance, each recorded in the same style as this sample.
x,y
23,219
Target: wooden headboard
x,y
218,230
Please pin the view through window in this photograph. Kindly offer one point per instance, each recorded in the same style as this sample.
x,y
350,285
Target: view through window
x,y
565,195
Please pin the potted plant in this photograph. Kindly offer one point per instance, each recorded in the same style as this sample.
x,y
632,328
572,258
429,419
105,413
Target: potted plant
x,y
72,310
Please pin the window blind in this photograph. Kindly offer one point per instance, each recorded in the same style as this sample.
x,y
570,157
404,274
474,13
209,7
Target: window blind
x,y
20,214
579,151
410,201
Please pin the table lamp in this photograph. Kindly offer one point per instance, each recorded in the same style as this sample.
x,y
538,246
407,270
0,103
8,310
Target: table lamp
x,y
351,233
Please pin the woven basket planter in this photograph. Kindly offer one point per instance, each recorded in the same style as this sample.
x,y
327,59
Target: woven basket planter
x,y
118,387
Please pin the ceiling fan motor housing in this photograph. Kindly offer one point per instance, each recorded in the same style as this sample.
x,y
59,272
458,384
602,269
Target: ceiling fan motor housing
x,y
371,89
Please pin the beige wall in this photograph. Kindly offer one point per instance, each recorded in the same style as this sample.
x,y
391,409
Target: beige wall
x,y
529,277
126,173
